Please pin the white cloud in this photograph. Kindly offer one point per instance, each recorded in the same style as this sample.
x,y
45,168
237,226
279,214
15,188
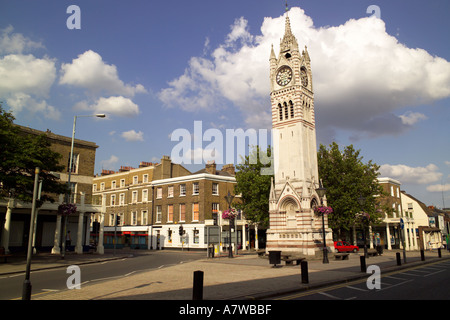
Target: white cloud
x,y
15,42
25,83
415,175
411,118
90,72
346,98
110,162
439,188
132,135
116,106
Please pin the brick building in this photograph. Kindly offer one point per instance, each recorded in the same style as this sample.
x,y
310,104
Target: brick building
x,y
156,199
15,215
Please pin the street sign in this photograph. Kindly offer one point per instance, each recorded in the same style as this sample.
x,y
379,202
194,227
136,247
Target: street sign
x,y
402,224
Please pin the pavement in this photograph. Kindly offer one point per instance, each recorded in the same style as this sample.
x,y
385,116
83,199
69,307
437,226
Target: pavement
x,y
244,277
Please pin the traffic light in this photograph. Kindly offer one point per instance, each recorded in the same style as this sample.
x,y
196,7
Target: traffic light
x,y
180,230
117,220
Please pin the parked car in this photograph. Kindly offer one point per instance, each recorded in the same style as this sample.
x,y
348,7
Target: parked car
x,y
342,246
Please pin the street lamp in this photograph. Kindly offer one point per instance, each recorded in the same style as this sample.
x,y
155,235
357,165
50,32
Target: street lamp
x,y
321,192
362,202
98,115
229,197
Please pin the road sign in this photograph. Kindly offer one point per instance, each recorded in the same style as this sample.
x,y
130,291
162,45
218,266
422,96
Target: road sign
x,y
402,224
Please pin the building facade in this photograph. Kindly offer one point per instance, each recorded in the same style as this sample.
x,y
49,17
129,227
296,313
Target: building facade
x,y
293,224
165,206
15,215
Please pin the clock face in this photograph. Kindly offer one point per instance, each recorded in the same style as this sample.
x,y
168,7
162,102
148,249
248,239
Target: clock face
x,y
284,75
304,77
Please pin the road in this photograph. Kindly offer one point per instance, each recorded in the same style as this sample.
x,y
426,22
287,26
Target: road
x,y
428,282
56,279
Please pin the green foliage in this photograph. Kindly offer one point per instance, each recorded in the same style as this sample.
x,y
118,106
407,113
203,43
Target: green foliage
x,y
346,179
20,154
254,187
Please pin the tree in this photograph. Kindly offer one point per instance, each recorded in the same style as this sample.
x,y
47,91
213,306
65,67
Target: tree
x,y
254,187
346,179
20,154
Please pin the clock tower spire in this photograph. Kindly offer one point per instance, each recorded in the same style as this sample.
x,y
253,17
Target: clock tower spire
x,y
293,224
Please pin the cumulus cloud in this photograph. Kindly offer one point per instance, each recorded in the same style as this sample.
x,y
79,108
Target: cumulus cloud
x,y
11,42
115,106
132,135
415,175
362,75
90,72
25,80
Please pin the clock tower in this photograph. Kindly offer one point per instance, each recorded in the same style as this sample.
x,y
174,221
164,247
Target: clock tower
x,y
293,223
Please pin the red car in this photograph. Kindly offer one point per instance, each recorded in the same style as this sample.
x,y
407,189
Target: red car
x,y
342,246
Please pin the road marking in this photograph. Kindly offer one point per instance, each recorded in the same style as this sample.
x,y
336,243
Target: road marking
x,y
355,288
329,296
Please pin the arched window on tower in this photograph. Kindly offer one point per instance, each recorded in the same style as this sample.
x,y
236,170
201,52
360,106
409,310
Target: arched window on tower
x,y
286,111
280,110
292,108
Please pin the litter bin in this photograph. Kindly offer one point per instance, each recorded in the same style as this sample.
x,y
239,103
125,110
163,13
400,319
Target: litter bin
x,y
274,257
211,251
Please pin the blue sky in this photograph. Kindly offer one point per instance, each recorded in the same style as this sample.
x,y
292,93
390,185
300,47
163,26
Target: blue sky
x,y
382,85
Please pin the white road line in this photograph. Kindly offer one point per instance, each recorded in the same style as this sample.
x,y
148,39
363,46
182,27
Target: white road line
x,y
329,295
355,288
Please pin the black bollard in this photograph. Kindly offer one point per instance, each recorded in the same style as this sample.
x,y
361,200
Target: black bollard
x,y
399,260
439,253
422,255
363,263
197,291
304,266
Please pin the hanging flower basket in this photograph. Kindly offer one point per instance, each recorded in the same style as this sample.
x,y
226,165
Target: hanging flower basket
x,y
323,210
66,209
229,214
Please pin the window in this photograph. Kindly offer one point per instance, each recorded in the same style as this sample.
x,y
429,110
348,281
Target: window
x,y
113,184
94,187
182,212
170,191
195,188
102,186
135,180
280,111
286,111
144,195
158,193
182,189
113,200
215,189
122,183
144,215
392,191
111,219
158,213
122,199
292,108
215,213
196,235
145,178
134,197
170,213
75,159
195,211
133,218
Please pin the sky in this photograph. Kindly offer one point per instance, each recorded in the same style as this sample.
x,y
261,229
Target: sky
x,y
161,70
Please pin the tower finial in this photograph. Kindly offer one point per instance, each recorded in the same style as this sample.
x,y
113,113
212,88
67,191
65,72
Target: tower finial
x,y
287,7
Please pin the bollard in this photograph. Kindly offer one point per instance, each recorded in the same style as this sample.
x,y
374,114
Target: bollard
x,y
422,255
439,253
304,266
363,264
399,260
197,291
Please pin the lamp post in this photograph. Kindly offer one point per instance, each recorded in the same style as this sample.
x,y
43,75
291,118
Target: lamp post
x,y
69,196
321,192
229,197
362,201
